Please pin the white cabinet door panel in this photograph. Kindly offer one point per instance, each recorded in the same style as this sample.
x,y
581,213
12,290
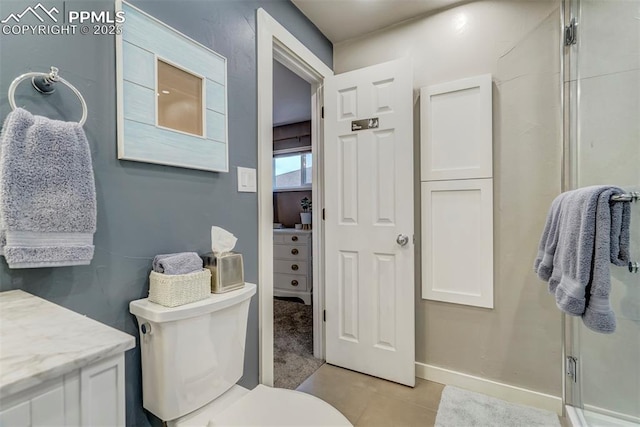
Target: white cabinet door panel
x,y
47,409
102,397
457,241
16,416
456,130
72,399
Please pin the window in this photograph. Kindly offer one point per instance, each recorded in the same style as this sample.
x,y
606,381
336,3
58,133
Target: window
x,y
292,171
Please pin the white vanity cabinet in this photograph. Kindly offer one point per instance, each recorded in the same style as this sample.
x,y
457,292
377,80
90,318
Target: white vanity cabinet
x,y
57,367
91,396
292,264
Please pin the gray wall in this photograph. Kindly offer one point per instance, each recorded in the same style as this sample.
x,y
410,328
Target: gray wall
x,y
146,209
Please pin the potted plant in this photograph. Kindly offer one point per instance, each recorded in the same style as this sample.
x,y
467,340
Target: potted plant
x,y
305,215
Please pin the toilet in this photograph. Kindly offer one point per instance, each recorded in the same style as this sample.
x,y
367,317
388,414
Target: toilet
x,y
192,357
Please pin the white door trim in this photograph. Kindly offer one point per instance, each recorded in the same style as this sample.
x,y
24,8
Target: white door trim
x,y
275,42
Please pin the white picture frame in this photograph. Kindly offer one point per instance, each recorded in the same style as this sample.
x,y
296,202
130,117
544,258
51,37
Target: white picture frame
x,y
144,41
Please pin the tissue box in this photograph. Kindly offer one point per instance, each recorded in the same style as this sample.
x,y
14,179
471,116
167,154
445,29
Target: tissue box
x,y
179,289
227,271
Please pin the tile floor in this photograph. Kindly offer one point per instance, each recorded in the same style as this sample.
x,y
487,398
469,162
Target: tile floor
x,y
369,401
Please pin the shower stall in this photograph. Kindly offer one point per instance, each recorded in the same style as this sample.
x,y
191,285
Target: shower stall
x,y
601,97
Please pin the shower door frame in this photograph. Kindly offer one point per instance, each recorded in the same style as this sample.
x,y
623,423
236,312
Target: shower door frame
x,y
572,388
571,392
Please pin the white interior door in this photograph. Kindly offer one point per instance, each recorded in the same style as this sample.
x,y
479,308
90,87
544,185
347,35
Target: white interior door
x,y
369,221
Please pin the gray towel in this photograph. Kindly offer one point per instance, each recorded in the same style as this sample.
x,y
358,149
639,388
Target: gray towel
x,y
47,192
543,265
584,233
180,263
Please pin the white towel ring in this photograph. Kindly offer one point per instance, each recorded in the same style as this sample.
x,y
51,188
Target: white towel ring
x,y
43,83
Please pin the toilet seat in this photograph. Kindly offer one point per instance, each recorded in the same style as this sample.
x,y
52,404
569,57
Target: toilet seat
x,y
266,406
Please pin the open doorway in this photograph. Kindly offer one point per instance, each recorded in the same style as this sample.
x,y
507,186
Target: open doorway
x,y
275,42
293,287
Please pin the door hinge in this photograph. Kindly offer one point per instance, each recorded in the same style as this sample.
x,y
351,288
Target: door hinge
x,y
322,112
572,368
323,214
571,33
324,315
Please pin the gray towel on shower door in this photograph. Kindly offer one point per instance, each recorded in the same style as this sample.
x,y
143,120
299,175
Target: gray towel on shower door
x,y
611,246
47,192
543,265
584,233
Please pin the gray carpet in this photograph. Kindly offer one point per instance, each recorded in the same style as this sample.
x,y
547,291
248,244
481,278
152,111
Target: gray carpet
x,y
293,360
462,408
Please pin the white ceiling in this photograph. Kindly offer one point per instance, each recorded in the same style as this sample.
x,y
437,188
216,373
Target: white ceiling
x,y
341,20
291,97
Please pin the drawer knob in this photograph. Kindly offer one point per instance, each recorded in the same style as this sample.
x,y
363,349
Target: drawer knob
x,y
294,283
294,238
294,267
294,251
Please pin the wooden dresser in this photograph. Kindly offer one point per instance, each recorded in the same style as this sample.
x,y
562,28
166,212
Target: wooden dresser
x,y
292,264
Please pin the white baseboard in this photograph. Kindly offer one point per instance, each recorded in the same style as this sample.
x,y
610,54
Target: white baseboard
x,y
492,388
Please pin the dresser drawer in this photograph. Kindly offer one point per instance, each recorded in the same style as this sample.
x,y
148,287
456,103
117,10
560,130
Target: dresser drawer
x,y
293,238
290,267
290,282
292,252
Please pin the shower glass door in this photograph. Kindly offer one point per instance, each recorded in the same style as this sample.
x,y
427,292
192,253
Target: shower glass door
x,y
602,92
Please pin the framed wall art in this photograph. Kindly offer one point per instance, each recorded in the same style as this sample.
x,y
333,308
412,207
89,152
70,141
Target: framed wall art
x,y
172,96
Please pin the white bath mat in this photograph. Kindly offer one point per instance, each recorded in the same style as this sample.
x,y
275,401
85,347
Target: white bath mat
x,y
462,408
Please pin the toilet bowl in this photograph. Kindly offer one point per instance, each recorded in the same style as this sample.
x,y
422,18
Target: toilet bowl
x,y
192,358
264,406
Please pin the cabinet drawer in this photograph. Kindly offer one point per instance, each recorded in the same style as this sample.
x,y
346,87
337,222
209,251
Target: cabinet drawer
x,y
290,282
290,267
292,252
279,238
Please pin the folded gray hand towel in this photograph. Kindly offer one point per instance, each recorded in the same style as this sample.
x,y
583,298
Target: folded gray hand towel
x,y
47,192
584,233
180,263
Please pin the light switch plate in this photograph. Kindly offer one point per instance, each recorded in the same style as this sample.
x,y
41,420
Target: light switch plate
x,y
246,180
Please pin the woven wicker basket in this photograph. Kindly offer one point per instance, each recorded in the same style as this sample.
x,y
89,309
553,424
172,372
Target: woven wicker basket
x,y
180,289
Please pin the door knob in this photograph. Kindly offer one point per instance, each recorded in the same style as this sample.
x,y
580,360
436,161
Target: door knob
x,y
402,239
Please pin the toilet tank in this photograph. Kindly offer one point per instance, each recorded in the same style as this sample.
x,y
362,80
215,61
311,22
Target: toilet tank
x,y
193,353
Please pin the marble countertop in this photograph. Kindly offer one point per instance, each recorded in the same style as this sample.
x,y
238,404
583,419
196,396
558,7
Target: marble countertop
x,y
40,341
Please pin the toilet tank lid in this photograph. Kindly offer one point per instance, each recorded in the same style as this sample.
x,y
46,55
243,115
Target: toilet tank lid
x,y
159,313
